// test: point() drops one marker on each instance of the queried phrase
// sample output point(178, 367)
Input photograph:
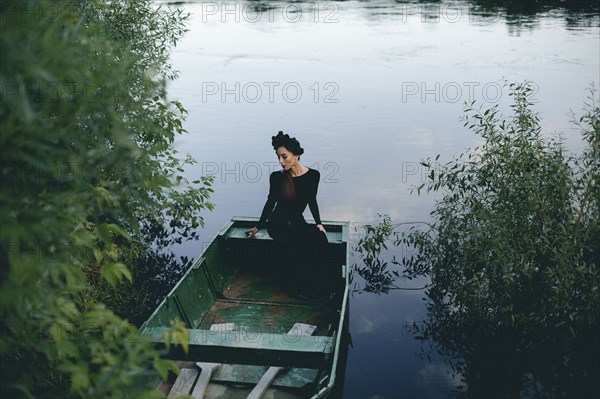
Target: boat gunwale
point(336, 352)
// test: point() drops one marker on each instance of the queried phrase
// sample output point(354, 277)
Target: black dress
point(286, 221)
point(303, 249)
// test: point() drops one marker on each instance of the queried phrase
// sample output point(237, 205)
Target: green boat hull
point(260, 288)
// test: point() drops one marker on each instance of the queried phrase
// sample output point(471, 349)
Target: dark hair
point(288, 142)
point(288, 189)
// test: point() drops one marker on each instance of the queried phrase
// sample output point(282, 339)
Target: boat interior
point(242, 302)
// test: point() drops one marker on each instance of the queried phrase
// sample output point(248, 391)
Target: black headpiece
point(288, 142)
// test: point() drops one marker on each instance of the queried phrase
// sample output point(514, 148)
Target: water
point(369, 89)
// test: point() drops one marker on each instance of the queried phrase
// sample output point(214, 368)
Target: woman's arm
point(312, 202)
point(274, 191)
point(314, 209)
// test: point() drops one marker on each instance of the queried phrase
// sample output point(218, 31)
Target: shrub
point(513, 255)
point(90, 183)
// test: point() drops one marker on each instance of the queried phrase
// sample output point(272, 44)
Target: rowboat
point(266, 318)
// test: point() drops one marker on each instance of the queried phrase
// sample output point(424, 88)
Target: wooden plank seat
point(258, 349)
point(262, 254)
point(334, 233)
point(267, 379)
point(250, 375)
point(185, 382)
point(190, 381)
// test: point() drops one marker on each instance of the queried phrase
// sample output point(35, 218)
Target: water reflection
point(380, 271)
point(515, 8)
point(526, 15)
point(154, 275)
point(481, 359)
point(517, 14)
point(378, 278)
point(524, 361)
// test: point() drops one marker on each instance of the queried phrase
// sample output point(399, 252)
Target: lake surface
point(369, 89)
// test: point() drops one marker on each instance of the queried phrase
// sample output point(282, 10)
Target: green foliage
point(378, 278)
point(515, 235)
point(178, 333)
point(513, 251)
point(91, 184)
point(375, 237)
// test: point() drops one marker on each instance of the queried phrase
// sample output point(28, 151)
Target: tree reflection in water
point(379, 273)
point(492, 360)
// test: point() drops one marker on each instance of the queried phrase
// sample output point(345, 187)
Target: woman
point(291, 189)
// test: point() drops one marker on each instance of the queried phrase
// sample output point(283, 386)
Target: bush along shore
point(92, 194)
point(513, 254)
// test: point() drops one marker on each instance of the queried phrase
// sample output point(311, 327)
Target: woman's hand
point(321, 228)
point(252, 232)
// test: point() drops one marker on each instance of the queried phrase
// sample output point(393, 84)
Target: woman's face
point(286, 158)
